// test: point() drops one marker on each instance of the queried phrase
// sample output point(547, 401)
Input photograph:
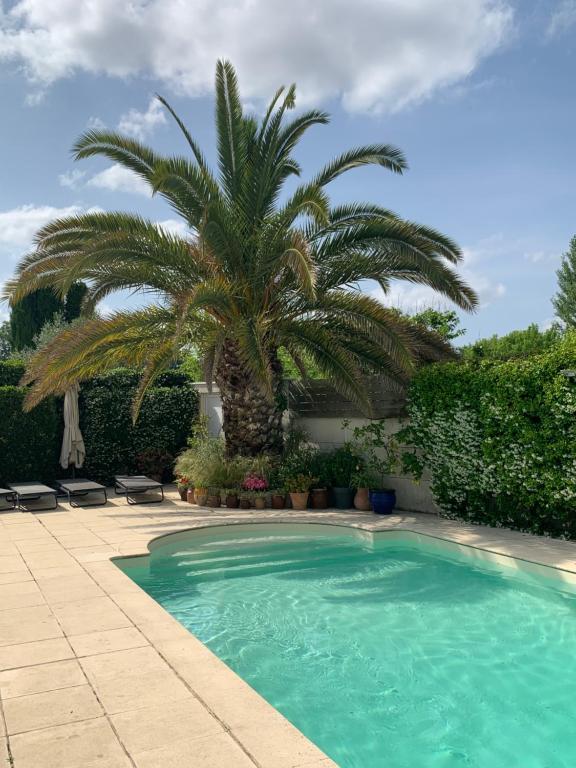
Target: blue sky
point(480, 95)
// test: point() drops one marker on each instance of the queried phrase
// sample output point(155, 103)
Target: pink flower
point(254, 482)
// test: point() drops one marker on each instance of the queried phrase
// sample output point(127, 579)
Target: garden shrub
point(11, 371)
point(114, 445)
point(29, 442)
point(499, 440)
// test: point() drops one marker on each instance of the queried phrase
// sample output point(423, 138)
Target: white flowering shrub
point(499, 440)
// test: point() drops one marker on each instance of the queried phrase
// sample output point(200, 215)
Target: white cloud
point(375, 55)
point(71, 179)
point(119, 179)
point(95, 124)
point(142, 124)
point(562, 19)
point(174, 227)
point(542, 257)
point(19, 225)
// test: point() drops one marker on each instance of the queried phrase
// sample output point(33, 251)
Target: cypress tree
point(565, 300)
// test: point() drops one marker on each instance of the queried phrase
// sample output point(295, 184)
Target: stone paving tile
point(93, 615)
point(70, 588)
point(88, 744)
point(16, 577)
point(11, 563)
point(20, 595)
point(105, 642)
point(132, 679)
point(42, 710)
point(29, 654)
point(42, 677)
point(160, 726)
point(4, 758)
point(219, 751)
point(24, 625)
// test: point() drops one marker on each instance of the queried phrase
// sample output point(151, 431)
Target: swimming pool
point(394, 650)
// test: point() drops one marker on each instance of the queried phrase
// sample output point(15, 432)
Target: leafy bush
point(29, 442)
point(530, 341)
point(114, 445)
point(499, 439)
point(11, 371)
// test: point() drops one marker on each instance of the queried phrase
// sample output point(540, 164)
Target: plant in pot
point(257, 485)
point(362, 480)
point(233, 472)
point(319, 467)
point(380, 453)
point(342, 463)
point(213, 499)
point(245, 499)
point(298, 486)
point(183, 484)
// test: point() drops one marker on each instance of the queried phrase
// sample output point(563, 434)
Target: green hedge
point(11, 371)
point(113, 443)
point(499, 439)
point(30, 443)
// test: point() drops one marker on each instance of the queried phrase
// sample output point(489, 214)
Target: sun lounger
point(7, 499)
point(80, 487)
point(32, 492)
point(130, 485)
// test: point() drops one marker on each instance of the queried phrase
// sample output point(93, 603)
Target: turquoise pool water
point(384, 654)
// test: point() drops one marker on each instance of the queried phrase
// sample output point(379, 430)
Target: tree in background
point(565, 300)
point(33, 311)
point(5, 340)
point(530, 341)
point(30, 314)
point(258, 271)
point(444, 322)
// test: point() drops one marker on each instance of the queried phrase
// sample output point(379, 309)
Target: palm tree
point(260, 270)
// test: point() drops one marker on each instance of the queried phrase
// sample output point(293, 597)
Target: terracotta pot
point(319, 498)
point(278, 501)
point(182, 490)
point(260, 502)
point(362, 500)
point(201, 495)
point(299, 500)
point(190, 496)
point(245, 504)
point(232, 501)
point(213, 500)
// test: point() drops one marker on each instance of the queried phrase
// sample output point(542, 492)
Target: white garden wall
point(328, 433)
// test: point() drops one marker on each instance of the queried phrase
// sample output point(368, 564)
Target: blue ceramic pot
point(383, 501)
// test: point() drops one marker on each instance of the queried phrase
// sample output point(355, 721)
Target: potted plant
point(362, 479)
point(278, 498)
point(260, 499)
point(183, 484)
point(298, 487)
point(256, 485)
point(380, 457)
point(245, 499)
point(342, 465)
point(213, 499)
point(319, 466)
point(231, 497)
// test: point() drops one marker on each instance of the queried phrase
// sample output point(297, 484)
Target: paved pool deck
point(94, 673)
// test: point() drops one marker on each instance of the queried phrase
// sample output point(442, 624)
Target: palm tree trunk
point(252, 417)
